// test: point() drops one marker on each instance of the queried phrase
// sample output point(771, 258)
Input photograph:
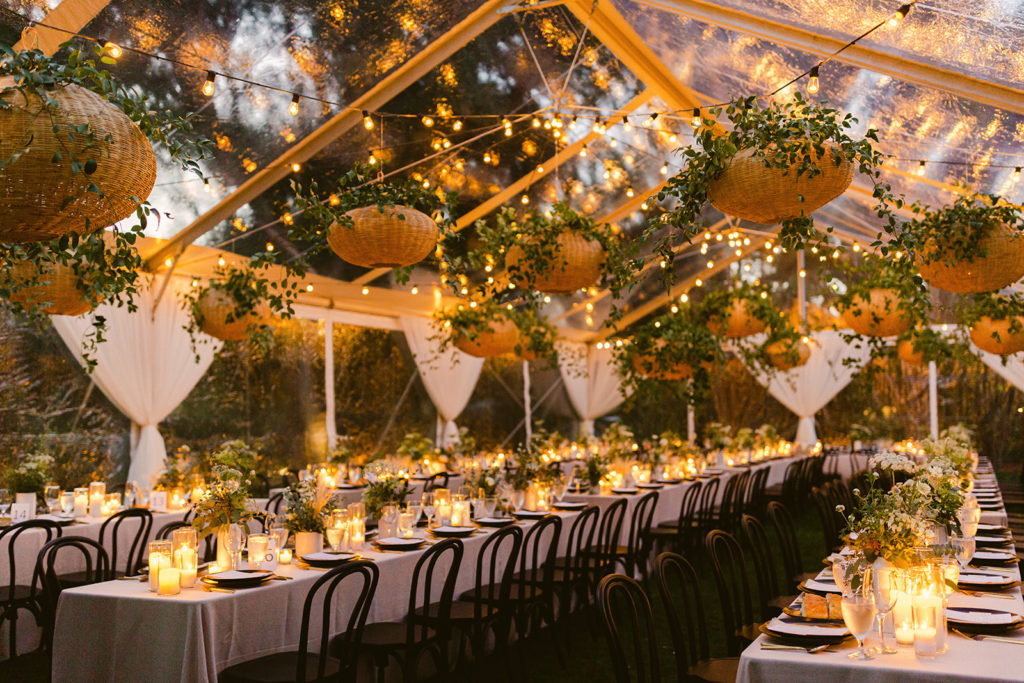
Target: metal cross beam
point(71, 15)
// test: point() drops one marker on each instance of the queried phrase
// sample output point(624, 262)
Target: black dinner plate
point(804, 589)
point(652, 485)
point(567, 505)
point(993, 561)
point(955, 619)
point(997, 543)
point(496, 521)
point(453, 531)
point(404, 544)
point(670, 481)
point(351, 487)
point(801, 640)
point(328, 559)
point(258, 577)
point(530, 514)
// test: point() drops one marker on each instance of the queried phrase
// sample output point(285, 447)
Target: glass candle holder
point(929, 625)
point(460, 512)
point(81, 501)
point(169, 581)
point(185, 554)
point(356, 533)
point(284, 556)
point(258, 545)
point(903, 611)
point(97, 497)
point(159, 559)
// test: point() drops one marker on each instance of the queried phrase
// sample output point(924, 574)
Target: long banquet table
point(119, 631)
point(966, 660)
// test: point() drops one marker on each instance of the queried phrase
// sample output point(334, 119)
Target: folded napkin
point(328, 557)
point(986, 579)
point(802, 628)
point(993, 555)
point(821, 586)
point(966, 615)
point(395, 540)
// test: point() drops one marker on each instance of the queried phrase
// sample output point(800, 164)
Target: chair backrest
point(422, 593)
point(495, 567)
point(680, 594)
point(629, 628)
point(132, 560)
point(579, 542)
point(273, 506)
point(791, 480)
point(728, 497)
point(351, 637)
point(537, 557)
point(706, 506)
point(97, 568)
point(688, 507)
point(436, 481)
point(609, 532)
point(826, 514)
point(739, 499)
point(12, 533)
point(164, 533)
point(732, 580)
point(789, 546)
point(762, 557)
point(640, 522)
point(756, 492)
point(815, 469)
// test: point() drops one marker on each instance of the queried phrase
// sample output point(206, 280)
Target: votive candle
point(170, 581)
point(284, 556)
point(158, 561)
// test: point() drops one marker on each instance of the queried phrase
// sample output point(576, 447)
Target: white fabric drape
point(146, 366)
point(1010, 368)
point(807, 389)
point(449, 375)
point(592, 380)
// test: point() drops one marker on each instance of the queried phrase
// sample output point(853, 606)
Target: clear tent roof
point(340, 49)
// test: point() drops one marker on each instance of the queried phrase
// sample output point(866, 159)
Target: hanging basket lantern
point(877, 316)
point(787, 354)
point(59, 291)
point(907, 354)
point(750, 190)
point(738, 321)
point(995, 336)
point(501, 338)
point(391, 237)
point(1002, 264)
point(216, 306)
point(576, 264)
point(650, 366)
point(34, 188)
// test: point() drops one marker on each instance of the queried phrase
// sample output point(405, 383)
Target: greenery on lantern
point(359, 187)
point(344, 454)
point(618, 440)
point(469, 321)
point(717, 304)
point(535, 236)
point(385, 486)
point(1009, 307)
point(674, 348)
point(954, 233)
point(530, 468)
point(794, 135)
point(933, 345)
point(30, 475)
point(308, 507)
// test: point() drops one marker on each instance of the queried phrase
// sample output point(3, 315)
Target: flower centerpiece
point(485, 479)
point(307, 509)
point(30, 475)
point(595, 469)
point(386, 485)
point(226, 500)
point(888, 524)
point(415, 447)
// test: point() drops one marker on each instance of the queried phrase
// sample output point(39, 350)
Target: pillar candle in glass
point(443, 513)
point(97, 496)
point(929, 625)
point(903, 611)
point(159, 559)
point(81, 502)
point(284, 556)
point(530, 501)
point(169, 582)
point(356, 532)
point(257, 545)
point(185, 554)
point(460, 512)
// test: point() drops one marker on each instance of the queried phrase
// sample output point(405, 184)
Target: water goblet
point(335, 534)
point(428, 507)
point(859, 615)
point(5, 501)
point(257, 544)
point(416, 510)
point(518, 499)
point(883, 590)
point(52, 496)
point(235, 541)
point(963, 547)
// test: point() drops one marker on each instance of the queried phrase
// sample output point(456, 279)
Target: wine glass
point(859, 615)
point(518, 499)
point(5, 501)
point(490, 505)
point(428, 506)
point(559, 486)
point(416, 510)
point(844, 569)
point(883, 589)
point(235, 541)
point(52, 496)
point(334, 536)
point(964, 547)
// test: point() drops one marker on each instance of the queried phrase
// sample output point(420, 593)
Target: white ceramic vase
point(308, 542)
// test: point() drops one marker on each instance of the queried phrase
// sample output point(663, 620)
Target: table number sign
point(158, 500)
point(22, 512)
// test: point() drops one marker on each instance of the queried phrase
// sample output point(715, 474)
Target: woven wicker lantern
point(1002, 264)
point(648, 366)
point(907, 354)
point(738, 321)
point(749, 190)
point(877, 316)
point(59, 291)
point(500, 339)
point(577, 263)
point(995, 336)
point(390, 238)
point(33, 189)
point(787, 354)
point(216, 305)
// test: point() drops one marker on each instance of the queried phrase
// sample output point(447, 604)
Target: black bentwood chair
point(678, 534)
point(14, 596)
point(304, 666)
point(629, 628)
point(635, 555)
point(407, 641)
point(732, 579)
point(97, 569)
point(789, 545)
point(681, 596)
point(130, 561)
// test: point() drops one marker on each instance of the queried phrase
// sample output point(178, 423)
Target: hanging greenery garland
point(370, 222)
point(881, 297)
point(487, 329)
point(777, 165)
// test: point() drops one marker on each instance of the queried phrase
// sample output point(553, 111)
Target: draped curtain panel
point(807, 389)
point(592, 380)
point(1010, 368)
point(449, 375)
point(146, 366)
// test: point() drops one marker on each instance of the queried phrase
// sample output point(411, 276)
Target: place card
point(158, 500)
point(22, 512)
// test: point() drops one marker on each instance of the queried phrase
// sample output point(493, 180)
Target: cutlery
point(979, 594)
point(980, 636)
point(810, 650)
point(310, 567)
point(214, 589)
point(140, 577)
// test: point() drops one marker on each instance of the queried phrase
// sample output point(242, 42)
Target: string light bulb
point(1016, 173)
point(525, 199)
point(535, 122)
point(920, 168)
point(572, 124)
point(630, 192)
point(649, 121)
point(664, 169)
point(220, 261)
point(696, 121)
point(372, 160)
point(457, 125)
point(427, 121)
point(208, 85)
point(812, 83)
point(367, 120)
point(206, 185)
point(293, 108)
point(112, 49)
point(626, 127)
point(296, 167)
point(899, 16)
point(309, 288)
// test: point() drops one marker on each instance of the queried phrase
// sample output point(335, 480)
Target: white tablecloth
point(966, 660)
point(118, 631)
